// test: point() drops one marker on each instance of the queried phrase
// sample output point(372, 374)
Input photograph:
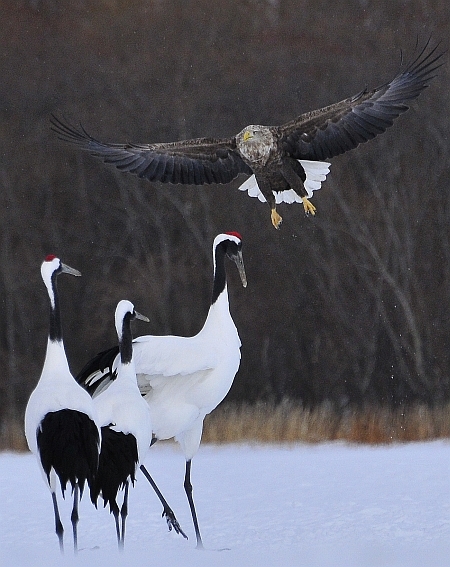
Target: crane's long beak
point(239, 261)
point(141, 317)
point(68, 270)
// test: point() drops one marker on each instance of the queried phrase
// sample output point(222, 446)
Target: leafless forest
point(349, 308)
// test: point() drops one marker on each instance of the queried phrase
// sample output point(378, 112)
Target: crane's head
point(53, 264)
point(52, 267)
point(232, 243)
point(125, 311)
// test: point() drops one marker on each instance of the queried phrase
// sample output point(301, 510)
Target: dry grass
point(289, 422)
point(12, 436)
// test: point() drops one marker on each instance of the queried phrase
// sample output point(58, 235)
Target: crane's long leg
point(188, 489)
point(115, 513)
point(172, 522)
point(58, 524)
point(124, 514)
point(74, 517)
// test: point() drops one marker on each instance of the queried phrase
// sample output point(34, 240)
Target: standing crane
point(124, 417)
point(60, 420)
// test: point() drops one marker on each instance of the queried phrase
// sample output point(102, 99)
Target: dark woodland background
point(350, 307)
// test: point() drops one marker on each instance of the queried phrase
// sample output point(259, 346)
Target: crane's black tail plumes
point(117, 465)
point(68, 442)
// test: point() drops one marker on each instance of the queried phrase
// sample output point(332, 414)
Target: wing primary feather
point(167, 175)
point(148, 169)
point(198, 161)
point(339, 127)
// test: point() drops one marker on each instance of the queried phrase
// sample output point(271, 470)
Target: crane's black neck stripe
point(126, 340)
point(220, 277)
point(55, 332)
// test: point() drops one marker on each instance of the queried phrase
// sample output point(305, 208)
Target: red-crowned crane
point(60, 419)
point(124, 418)
point(183, 378)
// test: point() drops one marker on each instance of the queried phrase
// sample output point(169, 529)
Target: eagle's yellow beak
point(247, 135)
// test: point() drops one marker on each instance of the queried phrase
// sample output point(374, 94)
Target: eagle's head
point(255, 144)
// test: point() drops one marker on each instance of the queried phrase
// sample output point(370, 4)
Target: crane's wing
point(99, 372)
point(170, 355)
point(155, 357)
point(189, 162)
point(342, 126)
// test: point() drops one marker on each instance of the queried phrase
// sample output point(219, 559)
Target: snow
point(333, 504)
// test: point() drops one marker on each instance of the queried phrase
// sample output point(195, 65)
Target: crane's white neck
point(55, 364)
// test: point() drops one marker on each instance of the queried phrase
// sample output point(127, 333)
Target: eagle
point(282, 163)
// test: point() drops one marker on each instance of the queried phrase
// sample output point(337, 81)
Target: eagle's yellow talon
point(275, 218)
point(310, 209)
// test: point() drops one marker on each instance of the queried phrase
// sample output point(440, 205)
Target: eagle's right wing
point(335, 129)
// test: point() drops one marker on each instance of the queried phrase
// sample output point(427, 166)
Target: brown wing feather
point(190, 162)
point(342, 126)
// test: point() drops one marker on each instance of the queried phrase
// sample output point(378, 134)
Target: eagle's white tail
point(316, 172)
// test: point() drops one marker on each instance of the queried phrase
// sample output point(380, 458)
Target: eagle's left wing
point(342, 126)
point(189, 162)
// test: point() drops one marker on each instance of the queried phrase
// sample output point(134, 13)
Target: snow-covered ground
point(323, 505)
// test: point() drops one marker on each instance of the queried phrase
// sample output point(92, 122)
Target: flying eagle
point(283, 163)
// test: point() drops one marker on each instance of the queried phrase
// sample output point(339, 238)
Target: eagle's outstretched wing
point(335, 129)
point(189, 162)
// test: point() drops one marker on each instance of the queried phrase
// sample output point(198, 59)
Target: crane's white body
point(56, 390)
point(123, 405)
point(185, 378)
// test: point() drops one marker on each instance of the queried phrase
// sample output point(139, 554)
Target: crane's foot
point(275, 218)
point(172, 522)
point(310, 209)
